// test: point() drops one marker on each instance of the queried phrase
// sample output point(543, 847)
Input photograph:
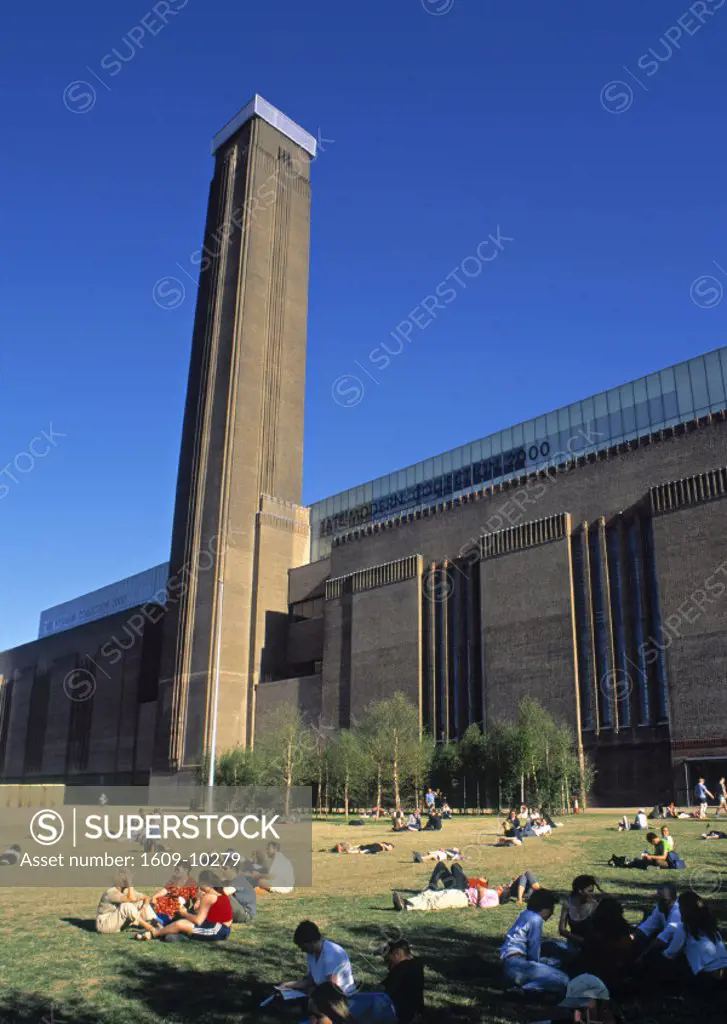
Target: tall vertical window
point(655, 625)
point(600, 627)
point(37, 721)
point(6, 697)
point(583, 653)
point(79, 729)
point(638, 619)
point(622, 690)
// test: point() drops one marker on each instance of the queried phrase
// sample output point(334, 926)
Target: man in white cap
point(587, 1001)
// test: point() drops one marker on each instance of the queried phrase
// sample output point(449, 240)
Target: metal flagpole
point(215, 698)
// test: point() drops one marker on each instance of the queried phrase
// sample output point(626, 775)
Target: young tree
point(348, 764)
point(392, 736)
point(446, 766)
point(284, 750)
point(474, 763)
point(237, 767)
point(503, 760)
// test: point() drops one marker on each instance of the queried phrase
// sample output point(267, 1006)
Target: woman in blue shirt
point(520, 952)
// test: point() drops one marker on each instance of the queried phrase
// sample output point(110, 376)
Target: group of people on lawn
point(204, 909)
point(526, 824)
point(599, 956)
point(436, 808)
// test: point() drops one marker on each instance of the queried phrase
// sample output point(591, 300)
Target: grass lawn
point(51, 957)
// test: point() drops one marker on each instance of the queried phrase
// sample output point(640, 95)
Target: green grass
point(50, 954)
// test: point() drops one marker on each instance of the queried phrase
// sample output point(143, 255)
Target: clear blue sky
point(444, 127)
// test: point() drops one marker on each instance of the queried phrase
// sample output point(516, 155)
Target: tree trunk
point(522, 787)
point(326, 801)
point(378, 791)
point(345, 795)
point(288, 778)
point(395, 765)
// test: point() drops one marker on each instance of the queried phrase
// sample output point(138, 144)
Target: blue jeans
point(532, 976)
point(370, 1008)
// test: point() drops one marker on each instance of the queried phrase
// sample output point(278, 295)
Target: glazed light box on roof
point(258, 107)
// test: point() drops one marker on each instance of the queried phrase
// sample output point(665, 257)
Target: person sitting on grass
point(327, 961)
point(699, 938)
point(671, 810)
point(511, 831)
point(279, 877)
point(639, 824)
point(122, 905)
point(365, 848)
point(328, 1005)
point(515, 831)
point(520, 952)
point(589, 1000)
point(241, 893)
point(210, 920)
point(446, 810)
point(656, 932)
point(577, 912)
point(181, 886)
point(608, 949)
point(414, 822)
point(398, 824)
point(667, 838)
point(539, 825)
point(434, 822)
point(658, 858)
point(404, 984)
point(545, 815)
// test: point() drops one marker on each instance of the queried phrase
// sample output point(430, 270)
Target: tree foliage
point(386, 759)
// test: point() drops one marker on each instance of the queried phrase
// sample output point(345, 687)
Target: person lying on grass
point(210, 920)
point(366, 848)
point(459, 891)
point(451, 854)
point(327, 961)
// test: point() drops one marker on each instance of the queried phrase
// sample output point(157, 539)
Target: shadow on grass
point(463, 976)
point(85, 924)
point(16, 1006)
point(216, 994)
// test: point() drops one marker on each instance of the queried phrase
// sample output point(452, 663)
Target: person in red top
point(211, 919)
point(179, 887)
